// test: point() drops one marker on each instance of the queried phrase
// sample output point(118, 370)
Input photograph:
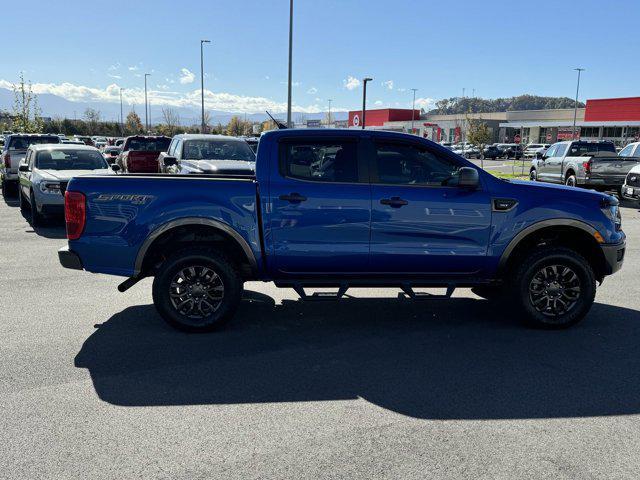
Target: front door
point(553, 164)
point(320, 207)
point(420, 222)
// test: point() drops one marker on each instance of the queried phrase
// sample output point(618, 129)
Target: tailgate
point(142, 162)
point(612, 167)
point(16, 156)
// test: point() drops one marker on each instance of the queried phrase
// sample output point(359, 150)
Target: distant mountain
point(55, 106)
point(454, 105)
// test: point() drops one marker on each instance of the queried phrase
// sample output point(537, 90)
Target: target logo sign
point(356, 120)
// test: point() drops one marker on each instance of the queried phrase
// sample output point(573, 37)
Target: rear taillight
point(7, 160)
point(587, 167)
point(74, 213)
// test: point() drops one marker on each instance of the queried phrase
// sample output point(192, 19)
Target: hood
point(223, 166)
point(66, 175)
point(552, 188)
point(635, 169)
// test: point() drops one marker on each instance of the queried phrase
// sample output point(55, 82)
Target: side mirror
point(23, 167)
point(539, 155)
point(170, 161)
point(115, 167)
point(468, 178)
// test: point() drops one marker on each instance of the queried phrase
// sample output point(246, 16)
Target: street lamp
point(364, 100)
point(413, 109)
point(329, 120)
point(121, 116)
point(146, 104)
point(290, 63)
point(575, 105)
point(202, 42)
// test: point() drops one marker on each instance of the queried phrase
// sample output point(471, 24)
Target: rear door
point(320, 207)
point(419, 224)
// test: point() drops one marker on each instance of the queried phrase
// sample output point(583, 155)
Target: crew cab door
point(420, 222)
point(553, 171)
point(320, 206)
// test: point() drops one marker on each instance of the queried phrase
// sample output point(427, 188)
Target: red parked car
point(140, 153)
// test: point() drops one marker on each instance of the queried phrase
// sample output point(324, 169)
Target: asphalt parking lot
point(94, 385)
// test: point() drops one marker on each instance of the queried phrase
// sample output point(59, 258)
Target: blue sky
point(87, 50)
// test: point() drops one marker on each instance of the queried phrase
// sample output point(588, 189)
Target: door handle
point(395, 202)
point(293, 198)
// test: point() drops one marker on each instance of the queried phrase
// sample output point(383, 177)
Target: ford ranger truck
point(140, 154)
point(346, 208)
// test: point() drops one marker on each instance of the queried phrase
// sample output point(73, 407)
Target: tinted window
point(149, 144)
point(70, 160)
point(402, 164)
point(581, 149)
point(22, 143)
point(217, 150)
point(561, 149)
point(321, 161)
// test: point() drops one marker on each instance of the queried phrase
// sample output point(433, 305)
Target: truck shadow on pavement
point(457, 359)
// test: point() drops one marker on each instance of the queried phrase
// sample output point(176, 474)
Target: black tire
point(24, 204)
point(534, 287)
point(533, 175)
point(169, 292)
point(36, 217)
point(570, 181)
point(7, 189)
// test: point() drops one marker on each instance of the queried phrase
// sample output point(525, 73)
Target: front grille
point(633, 179)
point(63, 187)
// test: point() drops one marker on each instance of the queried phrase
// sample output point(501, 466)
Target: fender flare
point(180, 222)
point(555, 222)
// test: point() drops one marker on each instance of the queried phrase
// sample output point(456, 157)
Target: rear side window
point(402, 164)
point(332, 161)
point(22, 143)
point(586, 149)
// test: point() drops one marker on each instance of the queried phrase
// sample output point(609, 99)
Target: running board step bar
point(409, 292)
point(319, 296)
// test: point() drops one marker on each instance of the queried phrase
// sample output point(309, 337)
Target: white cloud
point(312, 91)
point(114, 67)
point(426, 103)
point(402, 90)
point(163, 87)
point(227, 102)
point(117, 77)
point(351, 83)
point(186, 76)
point(133, 68)
point(388, 84)
point(378, 103)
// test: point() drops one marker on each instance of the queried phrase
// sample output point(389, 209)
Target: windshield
point(217, 150)
point(22, 143)
point(149, 144)
point(70, 160)
point(582, 149)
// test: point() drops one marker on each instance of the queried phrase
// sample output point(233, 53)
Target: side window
point(404, 164)
point(561, 149)
point(172, 147)
point(331, 161)
point(551, 152)
point(30, 159)
point(177, 149)
point(626, 151)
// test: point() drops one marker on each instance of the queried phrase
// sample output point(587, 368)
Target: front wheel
point(198, 289)
point(555, 286)
point(533, 175)
point(36, 217)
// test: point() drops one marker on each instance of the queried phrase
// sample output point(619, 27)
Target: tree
point(235, 127)
point(133, 125)
point(92, 116)
point(27, 116)
point(478, 134)
point(171, 120)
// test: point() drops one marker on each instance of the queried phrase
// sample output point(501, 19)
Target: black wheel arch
point(570, 233)
point(192, 231)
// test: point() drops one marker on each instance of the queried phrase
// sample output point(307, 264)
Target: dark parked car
point(492, 152)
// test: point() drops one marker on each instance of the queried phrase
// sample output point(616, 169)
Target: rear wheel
point(197, 290)
point(555, 287)
point(570, 181)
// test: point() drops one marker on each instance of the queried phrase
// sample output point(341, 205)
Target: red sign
point(567, 133)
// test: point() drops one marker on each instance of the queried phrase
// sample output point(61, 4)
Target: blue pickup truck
point(340, 209)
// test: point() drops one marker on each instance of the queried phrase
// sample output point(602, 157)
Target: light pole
point(202, 42)
point(146, 104)
point(364, 100)
point(575, 105)
point(413, 108)
point(121, 116)
point(290, 63)
point(329, 121)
